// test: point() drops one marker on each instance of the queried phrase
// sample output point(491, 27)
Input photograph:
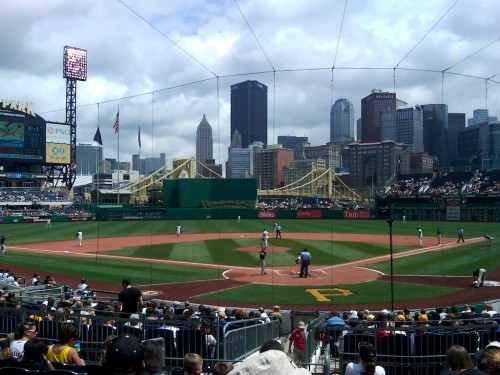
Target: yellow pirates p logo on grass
point(321, 294)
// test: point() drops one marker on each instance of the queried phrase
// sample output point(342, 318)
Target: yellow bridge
point(320, 183)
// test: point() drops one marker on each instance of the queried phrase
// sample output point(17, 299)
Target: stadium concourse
point(352, 272)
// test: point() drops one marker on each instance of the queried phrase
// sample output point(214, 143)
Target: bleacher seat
point(170, 349)
point(395, 350)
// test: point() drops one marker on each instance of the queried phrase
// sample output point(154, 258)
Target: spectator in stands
point(192, 364)
point(270, 362)
point(124, 355)
point(489, 360)
point(64, 350)
point(222, 368)
point(271, 345)
point(153, 357)
point(81, 286)
point(129, 299)
point(34, 358)
point(49, 280)
point(23, 333)
point(458, 359)
point(488, 309)
point(367, 362)
point(381, 328)
point(296, 339)
point(35, 280)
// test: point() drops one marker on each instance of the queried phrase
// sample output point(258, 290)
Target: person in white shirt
point(79, 238)
point(178, 230)
point(82, 285)
point(366, 365)
point(265, 237)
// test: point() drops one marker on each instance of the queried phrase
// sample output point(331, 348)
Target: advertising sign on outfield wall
point(356, 214)
point(267, 214)
point(308, 214)
point(453, 213)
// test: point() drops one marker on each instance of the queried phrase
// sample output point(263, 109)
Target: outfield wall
point(482, 208)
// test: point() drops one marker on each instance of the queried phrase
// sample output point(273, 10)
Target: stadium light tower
point(75, 69)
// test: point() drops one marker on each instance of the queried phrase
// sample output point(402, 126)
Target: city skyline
point(165, 65)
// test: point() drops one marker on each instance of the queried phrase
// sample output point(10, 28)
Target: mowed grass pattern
point(225, 251)
point(457, 261)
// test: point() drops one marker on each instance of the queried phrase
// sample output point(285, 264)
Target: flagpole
point(98, 154)
point(140, 179)
point(118, 119)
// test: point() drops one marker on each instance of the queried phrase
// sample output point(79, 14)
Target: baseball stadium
point(368, 265)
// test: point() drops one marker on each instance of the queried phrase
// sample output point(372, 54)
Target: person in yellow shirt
point(64, 350)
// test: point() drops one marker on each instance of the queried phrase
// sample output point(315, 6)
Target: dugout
point(210, 193)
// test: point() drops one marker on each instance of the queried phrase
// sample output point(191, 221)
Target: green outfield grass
point(223, 251)
point(22, 233)
point(362, 293)
point(458, 261)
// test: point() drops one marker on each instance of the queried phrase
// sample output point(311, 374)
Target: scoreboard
point(21, 141)
point(26, 138)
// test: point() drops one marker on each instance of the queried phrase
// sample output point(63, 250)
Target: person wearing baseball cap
point(124, 355)
point(489, 359)
point(296, 339)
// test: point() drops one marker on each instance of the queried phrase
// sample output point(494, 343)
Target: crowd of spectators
point(453, 183)
point(293, 203)
point(32, 196)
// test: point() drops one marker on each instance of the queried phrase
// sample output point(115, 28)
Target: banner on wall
point(267, 214)
point(308, 214)
point(356, 214)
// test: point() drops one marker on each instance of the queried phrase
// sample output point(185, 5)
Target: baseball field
point(217, 261)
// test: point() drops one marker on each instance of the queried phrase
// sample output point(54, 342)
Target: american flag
point(116, 125)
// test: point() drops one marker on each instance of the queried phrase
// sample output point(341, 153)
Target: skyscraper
point(204, 142)
point(89, 156)
point(436, 133)
point(249, 112)
point(378, 110)
point(410, 128)
point(342, 120)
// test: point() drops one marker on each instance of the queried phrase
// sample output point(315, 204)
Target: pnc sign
point(18, 105)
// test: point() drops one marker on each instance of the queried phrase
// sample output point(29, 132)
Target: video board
point(24, 141)
point(57, 143)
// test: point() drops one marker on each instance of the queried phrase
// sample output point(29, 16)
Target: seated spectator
point(124, 355)
point(64, 350)
point(271, 345)
point(270, 362)
point(192, 364)
point(222, 368)
point(49, 280)
point(489, 360)
point(82, 285)
point(457, 360)
point(367, 362)
point(34, 356)
point(23, 333)
point(153, 357)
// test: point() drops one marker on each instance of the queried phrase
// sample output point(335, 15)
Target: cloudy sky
point(166, 63)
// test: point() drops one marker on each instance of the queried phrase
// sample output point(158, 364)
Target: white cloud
point(129, 59)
